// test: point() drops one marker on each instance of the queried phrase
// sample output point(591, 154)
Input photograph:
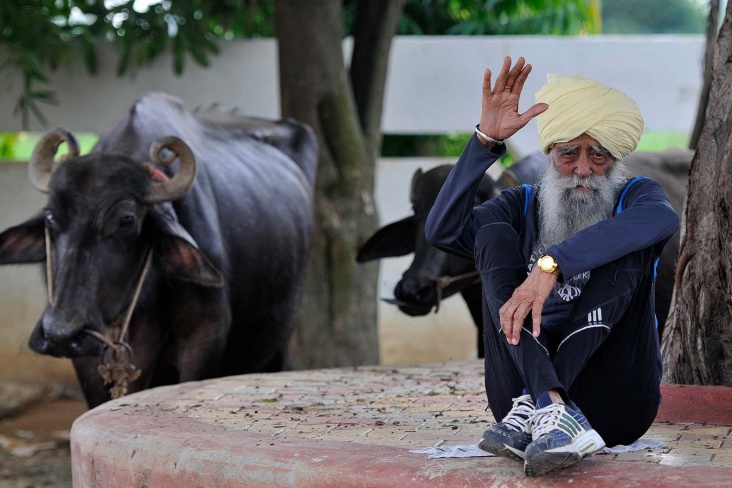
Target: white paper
point(475, 451)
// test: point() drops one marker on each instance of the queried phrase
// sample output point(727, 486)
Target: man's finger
point(536, 320)
point(487, 81)
point(535, 110)
point(516, 330)
point(518, 319)
point(514, 74)
point(518, 85)
point(503, 75)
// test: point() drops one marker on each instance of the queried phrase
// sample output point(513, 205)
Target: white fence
point(434, 86)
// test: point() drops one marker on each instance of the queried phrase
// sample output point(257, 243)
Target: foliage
point(654, 17)
point(44, 34)
point(32, 41)
point(8, 145)
point(18, 146)
point(450, 145)
point(500, 17)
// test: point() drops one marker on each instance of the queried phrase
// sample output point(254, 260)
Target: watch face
point(546, 263)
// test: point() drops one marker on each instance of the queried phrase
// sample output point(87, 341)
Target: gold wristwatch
point(547, 264)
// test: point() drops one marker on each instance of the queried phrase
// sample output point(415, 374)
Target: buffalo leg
point(473, 296)
point(92, 385)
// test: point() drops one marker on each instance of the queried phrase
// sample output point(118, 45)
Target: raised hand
point(500, 118)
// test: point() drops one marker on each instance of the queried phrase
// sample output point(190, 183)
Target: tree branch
point(375, 26)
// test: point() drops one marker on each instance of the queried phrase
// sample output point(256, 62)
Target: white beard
point(564, 211)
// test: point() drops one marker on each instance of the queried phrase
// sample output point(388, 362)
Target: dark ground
point(34, 435)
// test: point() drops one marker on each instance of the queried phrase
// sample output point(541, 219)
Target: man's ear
point(175, 251)
point(24, 243)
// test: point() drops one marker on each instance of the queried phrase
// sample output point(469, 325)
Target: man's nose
point(584, 167)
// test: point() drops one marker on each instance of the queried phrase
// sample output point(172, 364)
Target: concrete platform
point(355, 428)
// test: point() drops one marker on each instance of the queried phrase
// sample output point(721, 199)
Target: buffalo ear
point(181, 260)
point(176, 253)
point(24, 243)
point(395, 239)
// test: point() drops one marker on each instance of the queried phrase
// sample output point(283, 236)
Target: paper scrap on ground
point(475, 451)
point(638, 445)
point(452, 452)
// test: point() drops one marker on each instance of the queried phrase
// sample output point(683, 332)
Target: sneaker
point(561, 437)
point(510, 437)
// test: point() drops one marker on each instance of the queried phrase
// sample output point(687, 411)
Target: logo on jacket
point(595, 316)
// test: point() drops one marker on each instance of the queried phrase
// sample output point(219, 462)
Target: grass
point(18, 146)
point(660, 141)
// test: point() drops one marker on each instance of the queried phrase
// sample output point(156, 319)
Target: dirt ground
point(35, 418)
point(34, 444)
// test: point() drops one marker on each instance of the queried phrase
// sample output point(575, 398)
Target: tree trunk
point(338, 325)
point(374, 28)
point(711, 42)
point(697, 345)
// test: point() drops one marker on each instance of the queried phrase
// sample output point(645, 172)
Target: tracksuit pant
point(606, 359)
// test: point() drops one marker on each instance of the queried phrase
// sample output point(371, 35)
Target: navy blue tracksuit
point(605, 355)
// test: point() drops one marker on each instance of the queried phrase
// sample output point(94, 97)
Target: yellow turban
point(580, 105)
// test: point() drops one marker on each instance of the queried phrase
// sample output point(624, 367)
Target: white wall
point(22, 294)
point(434, 86)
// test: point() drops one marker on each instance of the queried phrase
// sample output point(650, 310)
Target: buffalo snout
point(58, 337)
point(415, 299)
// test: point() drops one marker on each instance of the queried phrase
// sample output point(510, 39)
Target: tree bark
point(711, 38)
point(338, 325)
point(374, 28)
point(697, 345)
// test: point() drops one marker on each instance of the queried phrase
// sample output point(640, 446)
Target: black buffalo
point(435, 275)
point(226, 223)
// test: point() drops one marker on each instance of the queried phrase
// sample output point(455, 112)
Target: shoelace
point(546, 419)
point(520, 414)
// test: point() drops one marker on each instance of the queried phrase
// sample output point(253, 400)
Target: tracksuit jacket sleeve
point(454, 219)
point(647, 220)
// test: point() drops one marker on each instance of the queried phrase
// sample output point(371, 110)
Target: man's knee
point(621, 422)
point(613, 289)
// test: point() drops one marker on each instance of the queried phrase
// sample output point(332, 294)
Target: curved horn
point(508, 179)
point(413, 187)
point(41, 161)
point(177, 186)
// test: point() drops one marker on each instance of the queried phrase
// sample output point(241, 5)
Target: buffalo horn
point(415, 181)
point(41, 162)
point(179, 184)
point(509, 178)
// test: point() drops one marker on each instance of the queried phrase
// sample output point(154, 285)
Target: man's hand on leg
point(529, 297)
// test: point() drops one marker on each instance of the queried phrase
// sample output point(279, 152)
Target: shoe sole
point(543, 463)
point(502, 450)
point(539, 463)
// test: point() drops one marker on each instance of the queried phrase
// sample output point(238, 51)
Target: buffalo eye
point(127, 221)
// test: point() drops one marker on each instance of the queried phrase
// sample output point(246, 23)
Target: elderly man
point(572, 359)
